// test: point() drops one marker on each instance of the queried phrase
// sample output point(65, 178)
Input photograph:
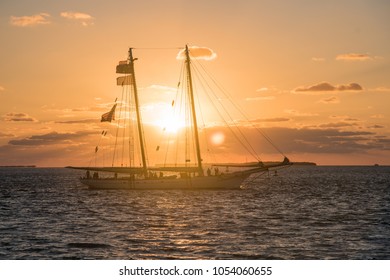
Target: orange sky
point(313, 74)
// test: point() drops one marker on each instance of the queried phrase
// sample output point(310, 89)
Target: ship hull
point(194, 183)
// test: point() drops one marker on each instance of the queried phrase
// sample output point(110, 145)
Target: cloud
point(198, 53)
point(164, 89)
point(49, 139)
point(84, 19)
point(2, 88)
point(260, 98)
point(337, 125)
point(18, 117)
point(354, 57)
point(327, 87)
point(262, 89)
point(280, 119)
point(376, 126)
point(300, 114)
point(381, 89)
point(377, 116)
point(23, 21)
point(330, 100)
point(333, 138)
point(85, 121)
point(5, 135)
point(318, 59)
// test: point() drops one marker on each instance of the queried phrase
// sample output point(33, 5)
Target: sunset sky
point(314, 75)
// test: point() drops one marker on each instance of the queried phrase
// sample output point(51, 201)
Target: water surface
point(303, 213)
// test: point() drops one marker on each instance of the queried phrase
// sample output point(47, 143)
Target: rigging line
point(130, 135)
point(192, 128)
point(209, 151)
point(132, 107)
point(177, 110)
point(182, 111)
point(239, 109)
point(117, 128)
point(181, 74)
point(247, 146)
point(124, 129)
point(253, 153)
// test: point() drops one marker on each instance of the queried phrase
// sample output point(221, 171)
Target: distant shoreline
point(305, 163)
point(18, 166)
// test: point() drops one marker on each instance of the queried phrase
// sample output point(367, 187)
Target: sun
point(171, 124)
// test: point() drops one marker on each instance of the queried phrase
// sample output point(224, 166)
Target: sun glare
point(218, 138)
point(170, 124)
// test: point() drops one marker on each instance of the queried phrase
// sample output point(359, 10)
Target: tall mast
point(194, 121)
point(139, 123)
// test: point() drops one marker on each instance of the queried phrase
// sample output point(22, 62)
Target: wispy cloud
point(337, 125)
point(377, 116)
point(260, 98)
point(278, 119)
point(354, 57)
point(327, 87)
point(330, 100)
point(83, 121)
point(23, 21)
point(164, 89)
point(300, 114)
point(83, 18)
point(262, 89)
point(18, 117)
point(318, 59)
point(2, 134)
point(49, 138)
point(381, 89)
point(376, 126)
point(198, 53)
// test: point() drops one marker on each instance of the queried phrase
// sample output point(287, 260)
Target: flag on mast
point(123, 68)
point(124, 80)
point(109, 116)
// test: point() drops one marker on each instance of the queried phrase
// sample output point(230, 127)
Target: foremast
point(137, 110)
point(193, 112)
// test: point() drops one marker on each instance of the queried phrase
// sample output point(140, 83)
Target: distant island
point(293, 163)
point(305, 163)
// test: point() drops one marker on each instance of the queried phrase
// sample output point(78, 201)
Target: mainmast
point(139, 123)
point(194, 121)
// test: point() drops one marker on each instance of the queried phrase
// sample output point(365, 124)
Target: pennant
point(124, 80)
point(109, 116)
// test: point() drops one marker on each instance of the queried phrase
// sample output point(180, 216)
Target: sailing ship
point(190, 174)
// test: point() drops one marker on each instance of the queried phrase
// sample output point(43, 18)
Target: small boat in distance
point(183, 176)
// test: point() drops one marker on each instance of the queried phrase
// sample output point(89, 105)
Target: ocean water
point(305, 212)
